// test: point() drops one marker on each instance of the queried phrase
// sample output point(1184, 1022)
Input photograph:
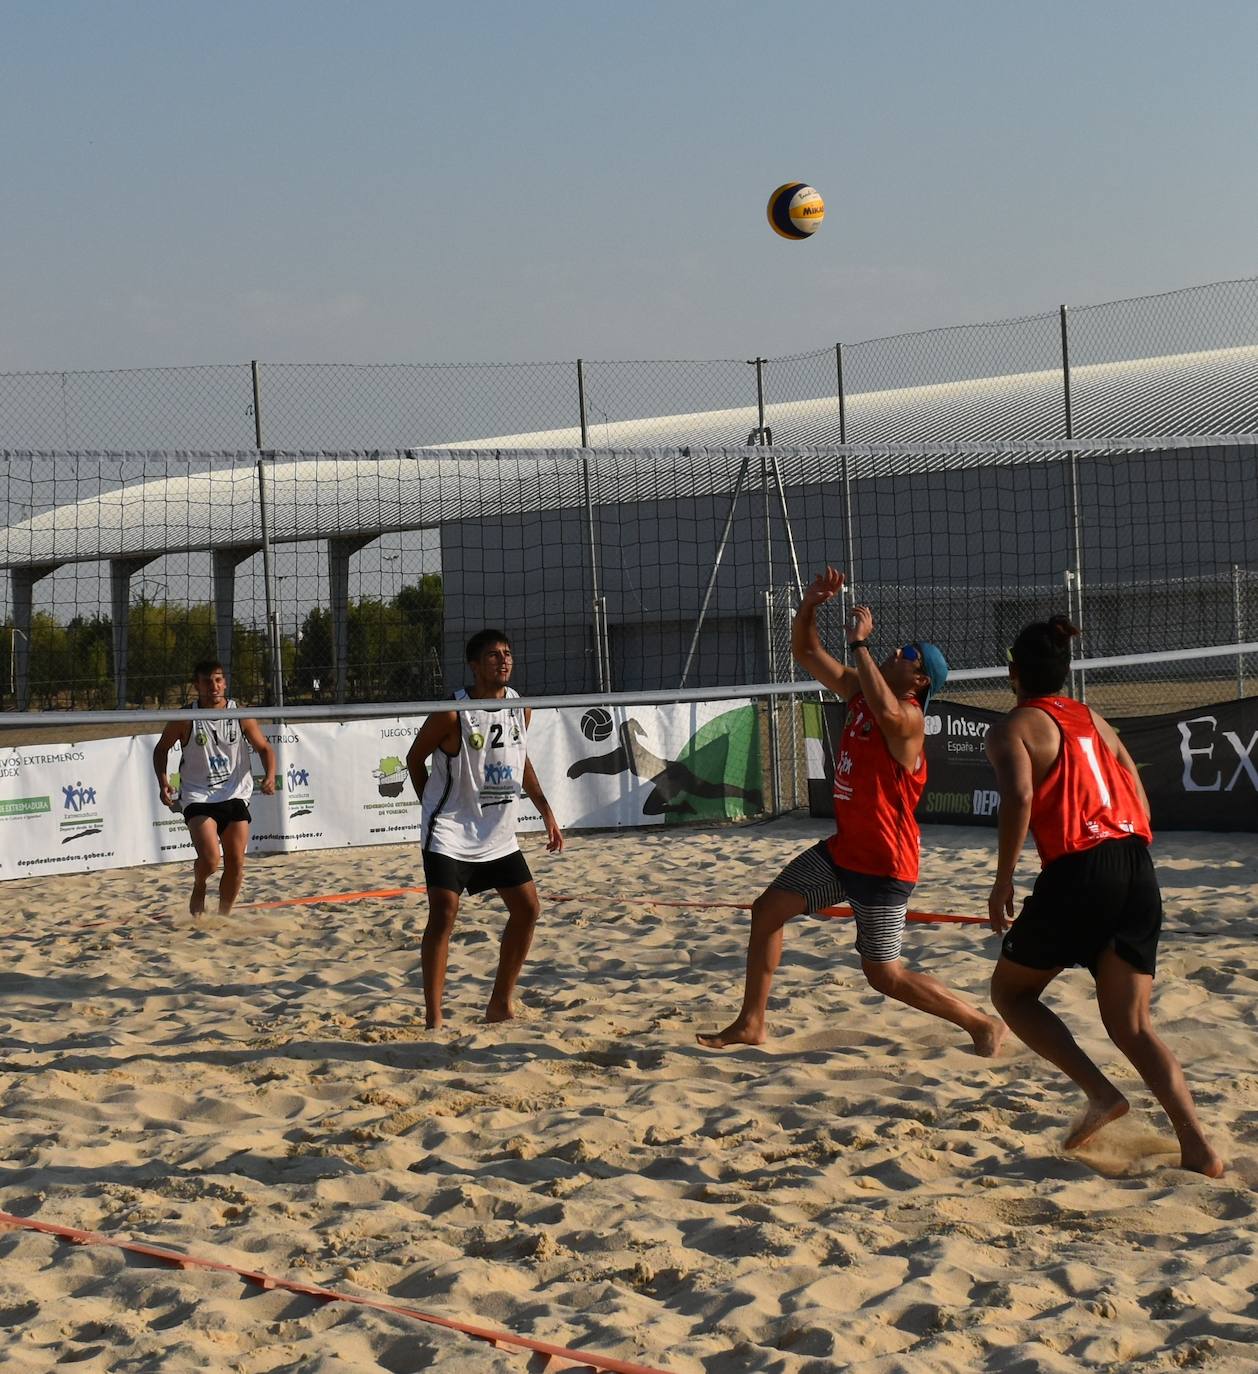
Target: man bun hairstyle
point(482, 640)
point(1041, 654)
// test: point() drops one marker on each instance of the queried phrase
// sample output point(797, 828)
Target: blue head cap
point(935, 666)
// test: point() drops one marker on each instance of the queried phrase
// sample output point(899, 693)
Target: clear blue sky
point(422, 182)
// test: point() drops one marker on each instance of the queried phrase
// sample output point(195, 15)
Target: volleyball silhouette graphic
point(796, 210)
point(596, 724)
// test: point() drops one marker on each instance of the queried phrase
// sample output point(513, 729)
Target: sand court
point(860, 1192)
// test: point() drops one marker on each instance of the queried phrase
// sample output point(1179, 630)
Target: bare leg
point(523, 909)
point(1123, 993)
point(235, 843)
point(443, 907)
point(204, 833)
point(1016, 993)
point(769, 913)
point(928, 994)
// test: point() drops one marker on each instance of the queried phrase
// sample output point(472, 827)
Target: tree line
point(394, 653)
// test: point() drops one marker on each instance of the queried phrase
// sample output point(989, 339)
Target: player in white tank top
point(479, 768)
point(216, 783)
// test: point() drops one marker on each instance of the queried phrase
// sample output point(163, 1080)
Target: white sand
point(862, 1192)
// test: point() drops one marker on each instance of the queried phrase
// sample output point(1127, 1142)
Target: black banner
point(1199, 767)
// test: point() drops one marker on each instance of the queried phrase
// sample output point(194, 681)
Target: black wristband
point(858, 644)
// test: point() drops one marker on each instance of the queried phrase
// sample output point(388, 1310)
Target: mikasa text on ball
point(796, 210)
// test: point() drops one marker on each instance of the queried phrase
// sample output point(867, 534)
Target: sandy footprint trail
point(860, 1192)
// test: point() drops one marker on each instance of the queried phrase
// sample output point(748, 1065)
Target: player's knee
point(766, 911)
point(440, 922)
point(886, 978)
point(210, 862)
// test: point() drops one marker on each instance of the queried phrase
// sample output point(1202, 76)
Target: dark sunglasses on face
point(911, 653)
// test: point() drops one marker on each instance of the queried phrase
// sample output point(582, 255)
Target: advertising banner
point(1199, 767)
point(83, 807)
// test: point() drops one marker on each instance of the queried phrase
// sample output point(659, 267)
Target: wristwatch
point(858, 644)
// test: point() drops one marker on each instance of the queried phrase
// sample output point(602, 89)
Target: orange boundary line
point(834, 912)
point(564, 1356)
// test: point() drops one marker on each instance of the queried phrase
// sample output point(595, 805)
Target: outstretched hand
point(824, 587)
point(860, 624)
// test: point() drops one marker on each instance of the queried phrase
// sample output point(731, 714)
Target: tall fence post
point(1238, 624)
point(1065, 374)
point(1074, 577)
point(275, 644)
point(838, 367)
point(598, 608)
point(849, 583)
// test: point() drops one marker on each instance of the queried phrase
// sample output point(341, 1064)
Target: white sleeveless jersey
point(469, 801)
point(215, 762)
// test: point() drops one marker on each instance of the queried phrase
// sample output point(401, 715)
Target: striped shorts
point(880, 904)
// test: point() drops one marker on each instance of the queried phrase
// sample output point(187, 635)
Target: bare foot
point(196, 903)
point(1201, 1159)
point(433, 1022)
point(499, 1011)
point(989, 1041)
point(1095, 1115)
point(739, 1033)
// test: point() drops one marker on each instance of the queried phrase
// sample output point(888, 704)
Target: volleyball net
point(353, 578)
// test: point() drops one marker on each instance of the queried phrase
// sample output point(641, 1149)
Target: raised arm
point(1011, 759)
point(258, 743)
point(806, 647)
point(902, 724)
point(439, 731)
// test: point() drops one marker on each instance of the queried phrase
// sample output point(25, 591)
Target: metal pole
point(786, 520)
point(268, 577)
point(849, 586)
point(1238, 622)
point(838, 364)
point(1076, 525)
point(585, 432)
point(1065, 374)
point(257, 407)
point(775, 750)
point(594, 587)
point(716, 563)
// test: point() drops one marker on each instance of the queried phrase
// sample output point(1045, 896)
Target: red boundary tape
point(835, 912)
point(558, 1356)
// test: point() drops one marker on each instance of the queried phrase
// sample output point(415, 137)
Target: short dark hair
point(1041, 654)
point(482, 640)
point(205, 667)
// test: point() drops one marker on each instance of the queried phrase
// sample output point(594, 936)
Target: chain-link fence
point(1179, 363)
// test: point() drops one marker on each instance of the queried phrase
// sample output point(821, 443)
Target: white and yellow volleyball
point(796, 210)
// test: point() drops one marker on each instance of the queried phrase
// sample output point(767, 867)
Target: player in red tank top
point(871, 860)
point(1064, 775)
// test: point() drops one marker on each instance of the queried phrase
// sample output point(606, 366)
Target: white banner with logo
point(81, 807)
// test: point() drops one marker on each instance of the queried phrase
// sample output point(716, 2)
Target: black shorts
point(1083, 904)
point(222, 814)
point(472, 876)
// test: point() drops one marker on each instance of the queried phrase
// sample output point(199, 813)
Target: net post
point(268, 578)
point(1238, 625)
point(716, 564)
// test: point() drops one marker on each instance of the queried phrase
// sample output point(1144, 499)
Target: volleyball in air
point(796, 210)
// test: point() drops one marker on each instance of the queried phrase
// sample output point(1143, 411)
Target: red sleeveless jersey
point(874, 800)
point(1087, 796)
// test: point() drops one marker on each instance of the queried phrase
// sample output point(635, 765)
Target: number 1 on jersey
point(1088, 744)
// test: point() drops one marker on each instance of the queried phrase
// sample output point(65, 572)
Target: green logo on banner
point(25, 806)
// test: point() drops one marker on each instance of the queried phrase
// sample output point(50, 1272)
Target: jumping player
point(872, 858)
point(215, 784)
point(1064, 774)
point(480, 766)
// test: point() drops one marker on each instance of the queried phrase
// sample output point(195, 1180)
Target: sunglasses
point(911, 653)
